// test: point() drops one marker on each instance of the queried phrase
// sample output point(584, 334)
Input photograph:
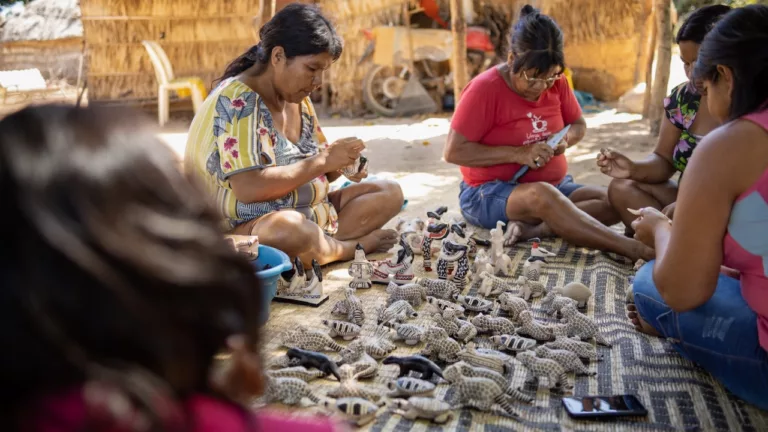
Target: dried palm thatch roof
point(42, 20)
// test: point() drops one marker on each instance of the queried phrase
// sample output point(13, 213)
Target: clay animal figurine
point(440, 345)
point(559, 303)
point(547, 368)
point(492, 285)
point(412, 293)
point(405, 387)
point(426, 408)
point(349, 387)
point(398, 311)
point(314, 280)
point(408, 333)
point(309, 339)
point(436, 233)
point(481, 359)
point(578, 324)
point(475, 304)
point(529, 288)
point(579, 292)
point(291, 282)
point(342, 329)
point(494, 325)
point(351, 307)
point(582, 349)
point(512, 304)
point(446, 321)
point(478, 372)
point(538, 251)
point(441, 305)
point(513, 343)
point(533, 328)
point(481, 259)
point(438, 288)
point(397, 268)
point(413, 231)
point(309, 359)
point(503, 265)
point(478, 393)
point(299, 372)
point(356, 410)
point(379, 344)
point(532, 267)
point(365, 365)
point(415, 363)
point(454, 253)
point(289, 391)
point(497, 241)
point(567, 359)
point(467, 331)
point(360, 269)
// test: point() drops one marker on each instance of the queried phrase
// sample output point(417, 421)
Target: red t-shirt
point(490, 113)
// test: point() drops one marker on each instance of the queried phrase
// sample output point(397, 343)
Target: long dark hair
point(300, 29)
point(740, 42)
point(700, 22)
point(111, 265)
point(536, 42)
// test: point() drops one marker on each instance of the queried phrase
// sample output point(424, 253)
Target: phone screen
point(604, 406)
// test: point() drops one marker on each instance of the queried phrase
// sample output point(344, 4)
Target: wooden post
point(661, 78)
point(263, 15)
point(651, 49)
point(459, 54)
point(273, 9)
point(409, 36)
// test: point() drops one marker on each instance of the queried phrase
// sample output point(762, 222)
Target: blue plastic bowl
point(270, 263)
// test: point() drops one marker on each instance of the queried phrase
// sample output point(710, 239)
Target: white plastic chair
point(166, 82)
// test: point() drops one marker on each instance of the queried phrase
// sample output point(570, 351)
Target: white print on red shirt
point(539, 129)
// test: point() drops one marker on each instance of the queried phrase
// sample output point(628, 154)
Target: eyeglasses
point(546, 82)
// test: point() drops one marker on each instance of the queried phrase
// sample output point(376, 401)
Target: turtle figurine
point(474, 304)
point(356, 410)
point(425, 408)
point(513, 343)
point(342, 329)
point(405, 387)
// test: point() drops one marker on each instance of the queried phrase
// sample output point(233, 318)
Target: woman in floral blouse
point(648, 183)
point(257, 145)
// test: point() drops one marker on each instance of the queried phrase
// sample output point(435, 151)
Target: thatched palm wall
point(200, 37)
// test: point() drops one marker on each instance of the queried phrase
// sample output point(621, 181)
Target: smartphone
point(585, 407)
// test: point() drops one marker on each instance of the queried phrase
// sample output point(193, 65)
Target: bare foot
point(380, 240)
point(639, 323)
point(519, 230)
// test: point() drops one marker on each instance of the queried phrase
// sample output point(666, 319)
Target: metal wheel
point(382, 88)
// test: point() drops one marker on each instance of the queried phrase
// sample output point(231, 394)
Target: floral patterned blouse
point(233, 132)
point(681, 107)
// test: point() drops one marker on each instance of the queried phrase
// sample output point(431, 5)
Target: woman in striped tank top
point(717, 316)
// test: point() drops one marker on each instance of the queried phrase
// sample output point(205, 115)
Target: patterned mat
point(677, 394)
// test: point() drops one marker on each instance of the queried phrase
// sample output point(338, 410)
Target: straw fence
point(200, 38)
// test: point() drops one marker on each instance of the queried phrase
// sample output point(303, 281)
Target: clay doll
point(397, 268)
point(360, 270)
point(454, 252)
point(413, 230)
point(436, 233)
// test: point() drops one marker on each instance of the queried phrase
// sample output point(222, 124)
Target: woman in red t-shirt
point(500, 125)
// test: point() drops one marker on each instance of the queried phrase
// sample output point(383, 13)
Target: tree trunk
point(651, 50)
point(459, 55)
point(664, 57)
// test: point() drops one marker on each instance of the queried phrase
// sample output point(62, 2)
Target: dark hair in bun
point(536, 42)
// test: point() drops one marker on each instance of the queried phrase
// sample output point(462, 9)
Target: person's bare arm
point(460, 151)
point(259, 185)
point(333, 176)
point(689, 253)
point(657, 167)
point(576, 132)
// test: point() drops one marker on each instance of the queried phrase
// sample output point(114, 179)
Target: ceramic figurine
point(533, 328)
point(440, 345)
point(398, 311)
point(513, 343)
point(356, 410)
point(349, 387)
point(343, 329)
point(300, 286)
point(512, 304)
point(471, 240)
point(412, 293)
point(497, 240)
point(538, 251)
point(415, 363)
point(481, 259)
point(247, 246)
point(441, 305)
point(479, 393)
point(309, 359)
point(431, 409)
point(360, 270)
point(471, 355)
point(354, 354)
point(351, 307)
point(289, 391)
point(454, 253)
point(532, 267)
point(639, 263)
point(379, 344)
point(446, 321)
point(579, 292)
point(530, 288)
point(439, 288)
point(356, 167)
point(413, 231)
point(397, 268)
point(578, 324)
point(546, 368)
point(567, 359)
point(309, 339)
point(495, 325)
point(299, 372)
point(408, 333)
point(492, 285)
point(558, 303)
point(478, 372)
point(467, 331)
point(582, 349)
point(436, 233)
point(475, 304)
point(503, 265)
point(407, 387)
point(291, 282)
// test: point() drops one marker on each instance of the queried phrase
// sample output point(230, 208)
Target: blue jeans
point(720, 335)
point(485, 204)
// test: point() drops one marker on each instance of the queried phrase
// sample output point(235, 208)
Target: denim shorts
point(485, 204)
